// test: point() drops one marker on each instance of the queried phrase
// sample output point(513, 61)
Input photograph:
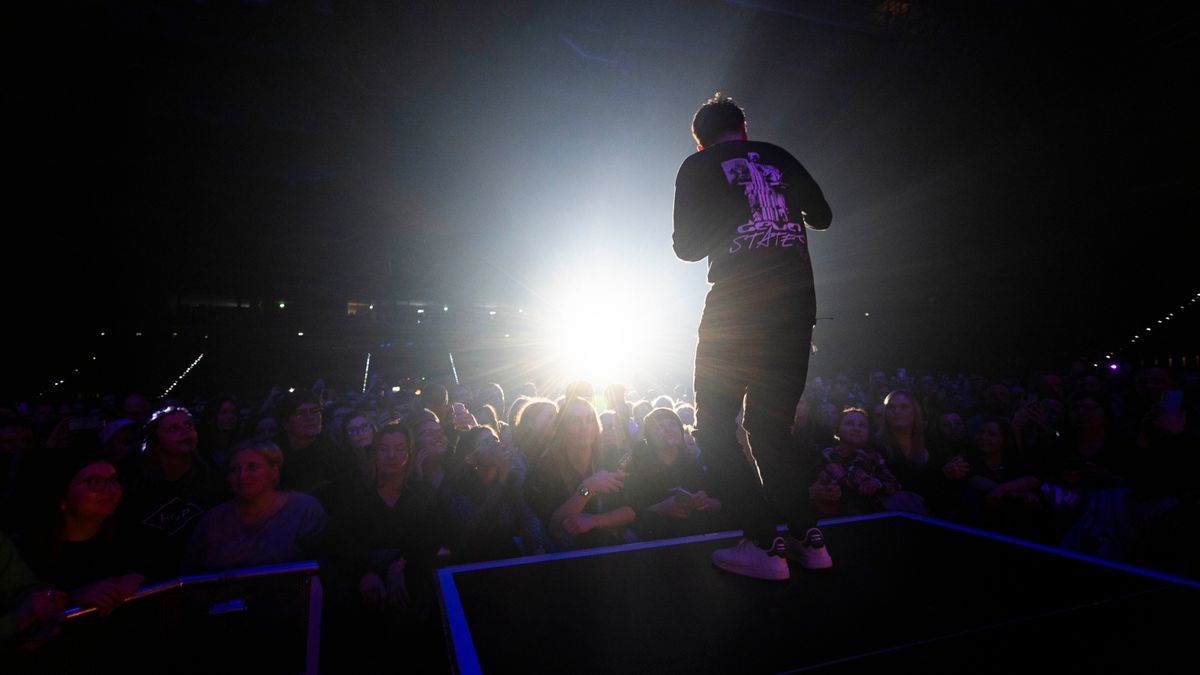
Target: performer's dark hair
point(718, 116)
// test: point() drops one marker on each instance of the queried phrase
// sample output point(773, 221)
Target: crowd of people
point(103, 496)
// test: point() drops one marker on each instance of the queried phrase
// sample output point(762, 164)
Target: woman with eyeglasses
point(314, 463)
point(358, 434)
point(75, 547)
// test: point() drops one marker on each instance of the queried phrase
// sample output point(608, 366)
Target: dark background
point(1012, 183)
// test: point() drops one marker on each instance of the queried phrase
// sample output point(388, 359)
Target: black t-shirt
point(156, 516)
point(744, 205)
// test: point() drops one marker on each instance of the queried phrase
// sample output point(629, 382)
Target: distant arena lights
point(1168, 317)
point(183, 375)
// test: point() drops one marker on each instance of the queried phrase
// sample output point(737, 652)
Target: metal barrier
point(229, 580)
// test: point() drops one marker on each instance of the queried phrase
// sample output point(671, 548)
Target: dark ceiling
point(999, 171)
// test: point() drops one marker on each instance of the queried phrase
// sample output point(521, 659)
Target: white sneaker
point(810, 552)
point(749, 560)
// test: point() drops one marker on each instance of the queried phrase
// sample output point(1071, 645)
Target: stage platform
point(905, 592)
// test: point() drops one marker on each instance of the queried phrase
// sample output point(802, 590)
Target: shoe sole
point(746, 572)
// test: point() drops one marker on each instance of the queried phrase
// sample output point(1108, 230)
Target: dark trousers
point(756, 346)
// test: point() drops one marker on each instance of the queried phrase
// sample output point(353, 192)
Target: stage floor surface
point(905, 592)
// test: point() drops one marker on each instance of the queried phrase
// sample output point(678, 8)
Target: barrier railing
point(226, 587)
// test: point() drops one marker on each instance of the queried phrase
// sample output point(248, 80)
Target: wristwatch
point(584, 491)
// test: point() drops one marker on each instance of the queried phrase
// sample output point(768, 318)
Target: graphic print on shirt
point(770, 223)
point(173, 515)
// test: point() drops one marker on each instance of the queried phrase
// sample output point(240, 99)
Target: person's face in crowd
point(687, 415)
point(900, 412)
point(1087, 414)
point(305, 421)
point(94, 492)
point(579, 425)
point(227, 417)
point(927, 386)
point(430, 436)
point(488, 456)
point(122, 442)
point(854, 430)
point(266, 427)
point(335, 418)
point(608, 427)
point(251, 475)
point(664, 432)
point(990, 438)
point(392, 454)
point(176, 434)
point(15, 439)
point(640, 411)
point(360, 432)
point(951, 427)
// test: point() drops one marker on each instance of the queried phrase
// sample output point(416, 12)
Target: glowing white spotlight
point(592, 341)
point(282, 304)
point(300, 334)
point(421, 311)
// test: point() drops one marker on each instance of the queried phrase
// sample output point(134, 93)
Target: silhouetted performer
point(745, 206)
